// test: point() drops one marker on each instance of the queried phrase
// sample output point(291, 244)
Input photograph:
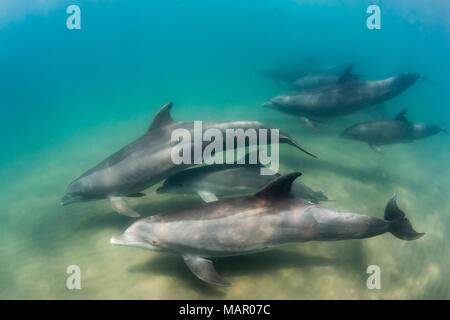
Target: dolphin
point(224, 180)
point(270, 218)
point(145, 162)
point(314, 81)
point(347, 96)
point(399, 130)
point(286, 74)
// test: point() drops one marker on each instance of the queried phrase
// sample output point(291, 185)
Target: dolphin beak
point(128, 240)
point(267, 104)
point(119, 240)
point(68, 199)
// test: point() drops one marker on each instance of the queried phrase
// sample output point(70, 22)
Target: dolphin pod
point(242, 225)
point(145, 162)
point(243, 211)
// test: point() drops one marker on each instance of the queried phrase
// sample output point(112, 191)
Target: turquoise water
point(72, 97)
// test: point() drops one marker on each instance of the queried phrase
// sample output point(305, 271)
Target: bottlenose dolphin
point(242, 225)
point(399, 130)
point(145, 162)
point(314, 81)
point(345, 97)
point(285, 74)
point(224, 180)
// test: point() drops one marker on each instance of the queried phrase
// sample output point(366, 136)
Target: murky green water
point(71, 98)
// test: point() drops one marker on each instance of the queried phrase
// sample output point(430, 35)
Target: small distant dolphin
point(268, 219)
point(145, 162)
point(314, 81)
point(285, 75)
point(345, 97)
point(224, 180)
point(399, 130)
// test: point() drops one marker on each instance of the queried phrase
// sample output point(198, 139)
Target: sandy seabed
point(40, 238)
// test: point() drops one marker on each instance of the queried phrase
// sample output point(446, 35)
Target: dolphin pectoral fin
point(309, 123)
point(207, 196)
point(204, 270)
point(287, 139)
point(376, 148)
point(120, 205)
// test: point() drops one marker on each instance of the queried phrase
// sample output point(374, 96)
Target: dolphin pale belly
point(345, 97)
point(145, 162)
point(398, 130)
point(268, 219)
point(222, 180)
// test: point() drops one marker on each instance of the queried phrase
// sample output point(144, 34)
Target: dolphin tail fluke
point(120, 205)
point(399, 224)
point(444, 130)
point(204, 270)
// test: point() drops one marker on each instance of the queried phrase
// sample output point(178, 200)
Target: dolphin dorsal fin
point(346, 75)
point(401, 116)
point(279, 188)
point(162, 118)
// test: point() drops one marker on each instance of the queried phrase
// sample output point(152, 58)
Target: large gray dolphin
point(345, 97)
point(145, 162)
point(223, 180)
point(268, 219)
point(399, 130)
